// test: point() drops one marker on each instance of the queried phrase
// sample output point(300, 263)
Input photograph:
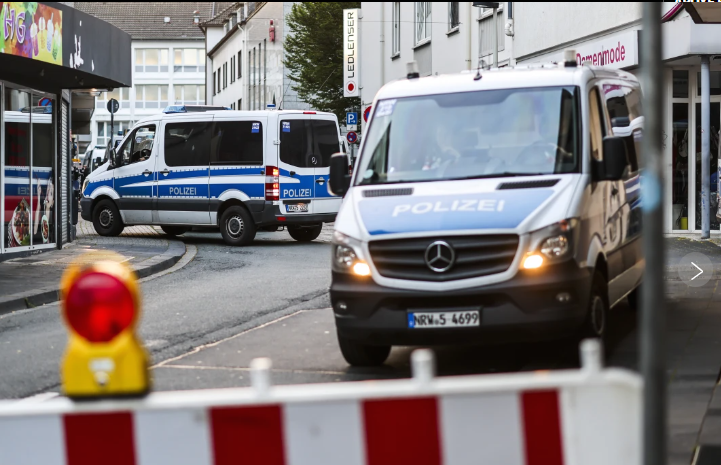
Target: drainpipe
point(705, 148)
point(495, 37)
point(469, 34)
point(383, 44)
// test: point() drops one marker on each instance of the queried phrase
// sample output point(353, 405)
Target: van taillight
point(272, 183)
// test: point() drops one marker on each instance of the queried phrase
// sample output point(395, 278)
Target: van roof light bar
point(192, 108)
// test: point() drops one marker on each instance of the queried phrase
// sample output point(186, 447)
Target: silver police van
point(239, 170)
point(502, 206)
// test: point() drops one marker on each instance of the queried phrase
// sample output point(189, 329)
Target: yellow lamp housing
point(100, 304)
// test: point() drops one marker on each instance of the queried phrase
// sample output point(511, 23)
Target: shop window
point(189, 60)
point(151, 96)
point(30, 153)
point(713, 172)
point(238, 143)
point(187, 144)
point(680, 165)
point(714, 83)
point(151, 60)
point(139, 146)
point(680, 83)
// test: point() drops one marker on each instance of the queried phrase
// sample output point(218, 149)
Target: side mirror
point(339, 177)
point(615, 160)
point(115, 158)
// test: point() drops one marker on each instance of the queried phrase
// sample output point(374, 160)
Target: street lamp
point(495, 6)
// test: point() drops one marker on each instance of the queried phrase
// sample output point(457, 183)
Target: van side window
point(595, 124)
point(308, 143)
point(139, 145)
point(237, 143)
point(624, 108)
point(187, 143)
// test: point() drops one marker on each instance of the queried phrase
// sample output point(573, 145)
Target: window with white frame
point(151, 60)
point(151, 96)
point(103, 134)
point(122, 95)
point(232, 67)
point(453, 16)
point(422, 22)
point(190, 94)
point(188, 60)
point(396, 29)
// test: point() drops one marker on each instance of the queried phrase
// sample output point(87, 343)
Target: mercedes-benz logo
point(440, 256)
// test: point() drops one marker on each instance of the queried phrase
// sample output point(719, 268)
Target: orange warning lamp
point(101, 307)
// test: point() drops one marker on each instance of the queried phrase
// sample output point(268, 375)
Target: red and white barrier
point(588, 416)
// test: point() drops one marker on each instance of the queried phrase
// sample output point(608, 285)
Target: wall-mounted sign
point(351, 76)
point(32, 30)
point(615, 51)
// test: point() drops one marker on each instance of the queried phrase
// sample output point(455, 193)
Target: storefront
point(47, 51)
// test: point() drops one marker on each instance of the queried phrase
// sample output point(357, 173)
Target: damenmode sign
point(351, 76)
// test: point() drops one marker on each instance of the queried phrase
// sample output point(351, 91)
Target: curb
point(42, 296)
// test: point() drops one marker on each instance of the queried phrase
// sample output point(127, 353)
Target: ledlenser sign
point(32, 30)
point(351, 84)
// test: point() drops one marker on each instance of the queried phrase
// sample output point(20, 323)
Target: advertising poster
point(32, 30)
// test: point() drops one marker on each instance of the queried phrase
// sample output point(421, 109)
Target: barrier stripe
point(402, 431)
point(92, 438)
point(172, 437)
point(542, 428)
point(318, 433)
point(251, 435)
point(32, 440)
point(474, 425)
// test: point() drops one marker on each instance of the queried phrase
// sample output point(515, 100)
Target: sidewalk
point(28, 282)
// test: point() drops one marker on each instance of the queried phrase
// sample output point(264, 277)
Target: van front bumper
point(523, 309)
point(85, 205)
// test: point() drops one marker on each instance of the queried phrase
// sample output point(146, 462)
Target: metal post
point(653, 318)
point(495, 38)
point(705, 148)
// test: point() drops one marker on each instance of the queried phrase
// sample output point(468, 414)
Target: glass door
point(17, 188)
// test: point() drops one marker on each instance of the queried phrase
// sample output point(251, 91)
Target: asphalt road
point(204, 322)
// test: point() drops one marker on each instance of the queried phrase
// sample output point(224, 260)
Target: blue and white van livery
point(499, 208)
point(239, 170)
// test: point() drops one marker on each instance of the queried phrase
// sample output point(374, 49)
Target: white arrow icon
point(700, 271)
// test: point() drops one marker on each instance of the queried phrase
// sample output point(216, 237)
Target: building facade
point(48, 52)
point(245, 68)
point(168, 56)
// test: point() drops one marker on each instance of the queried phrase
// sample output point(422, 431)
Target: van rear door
point(296, 160)
point(325, 142)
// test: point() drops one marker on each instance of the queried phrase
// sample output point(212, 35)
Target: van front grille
point(475, 256)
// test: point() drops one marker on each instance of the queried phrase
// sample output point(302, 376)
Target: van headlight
point(85, 186)
point(552, 244)
point(348, 256)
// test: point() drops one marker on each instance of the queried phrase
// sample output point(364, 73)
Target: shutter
point(64, 218)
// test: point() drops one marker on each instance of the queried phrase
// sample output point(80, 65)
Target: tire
point(106, 218)
point(237, 226)
point(634, 299)
point(305, 233)
point(362, 355)
point(174, 230)
point(598, 319)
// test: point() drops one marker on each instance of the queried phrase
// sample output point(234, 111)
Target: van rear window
point(308, 143)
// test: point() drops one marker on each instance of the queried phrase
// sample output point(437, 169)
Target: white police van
point(498, 207)
point(239, 170)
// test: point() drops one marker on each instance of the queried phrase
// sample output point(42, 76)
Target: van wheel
point(174, 230)
point(106, 218)
point(358, 354)
point(305, 233)
point(597, 320)
point(237, 226)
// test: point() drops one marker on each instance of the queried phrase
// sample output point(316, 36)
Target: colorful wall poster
point(32, 30)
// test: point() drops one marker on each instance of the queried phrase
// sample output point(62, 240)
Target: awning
point(50, 46)
point(704, 13)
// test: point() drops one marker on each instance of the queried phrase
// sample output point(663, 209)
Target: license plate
point(297, 208)
point(444, 319)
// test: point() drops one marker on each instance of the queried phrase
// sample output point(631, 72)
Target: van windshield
point(484, 134)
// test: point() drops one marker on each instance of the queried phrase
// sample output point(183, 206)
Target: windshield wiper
point(505, 174)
